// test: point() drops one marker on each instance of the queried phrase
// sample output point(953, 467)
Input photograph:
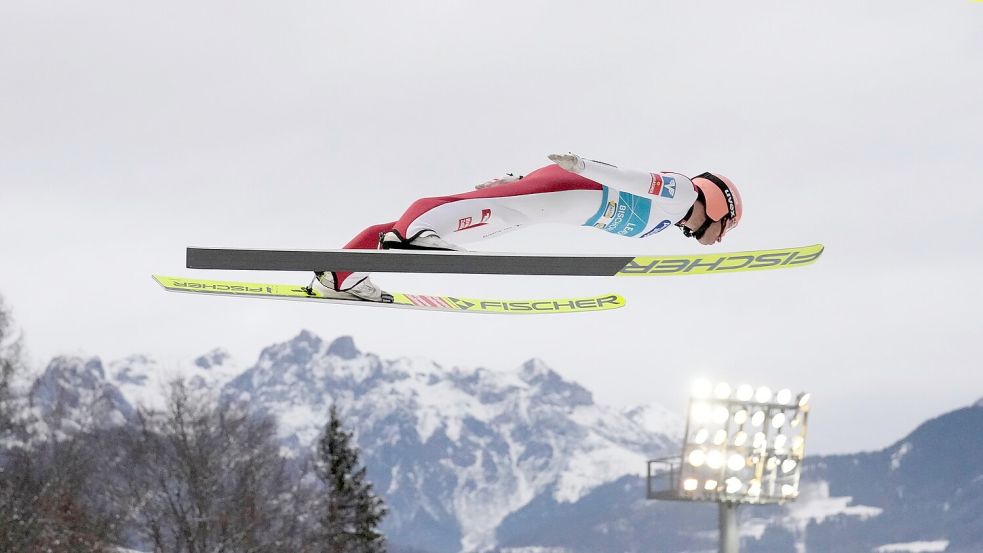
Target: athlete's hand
point(508, 178)
point(570, 162)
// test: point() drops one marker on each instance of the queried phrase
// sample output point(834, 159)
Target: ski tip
point(730, 262)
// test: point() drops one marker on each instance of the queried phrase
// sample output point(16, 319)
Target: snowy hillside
point(143, 380)
point(454, 449)
point(519, 461)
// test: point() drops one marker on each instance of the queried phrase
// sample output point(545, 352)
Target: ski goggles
point(724, 221)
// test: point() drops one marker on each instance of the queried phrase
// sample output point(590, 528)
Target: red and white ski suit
point(620, 201)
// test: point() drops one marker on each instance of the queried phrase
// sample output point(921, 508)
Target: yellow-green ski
point(400, 299)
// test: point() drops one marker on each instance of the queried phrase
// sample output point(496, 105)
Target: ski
point(400, 299)
point(482, 263)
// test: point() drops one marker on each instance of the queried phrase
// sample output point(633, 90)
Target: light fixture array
point(743, 445)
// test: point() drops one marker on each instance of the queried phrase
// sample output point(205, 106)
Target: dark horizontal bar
point(389, 261)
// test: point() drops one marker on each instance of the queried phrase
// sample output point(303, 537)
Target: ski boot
point(423, 240)
point(364, 290)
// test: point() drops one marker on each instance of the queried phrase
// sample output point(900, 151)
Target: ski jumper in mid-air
point(573, 191)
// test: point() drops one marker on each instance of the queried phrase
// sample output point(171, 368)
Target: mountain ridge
point(471, 459)
point(483, 442)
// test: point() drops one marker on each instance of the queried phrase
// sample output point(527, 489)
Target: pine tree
point(351, 511)
point(10, 362)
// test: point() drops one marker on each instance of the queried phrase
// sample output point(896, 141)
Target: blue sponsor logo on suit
point(632, 215)
point(668, 187)
point(658, 228)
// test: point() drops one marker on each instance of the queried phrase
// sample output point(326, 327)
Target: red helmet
point(722, 200)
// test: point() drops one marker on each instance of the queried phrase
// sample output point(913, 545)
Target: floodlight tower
point(741, 445)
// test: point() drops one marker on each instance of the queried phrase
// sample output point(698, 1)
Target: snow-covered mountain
point(454, 451)
point(85, 393)
point(143, 380)
point(74, 394)
point(525, 461)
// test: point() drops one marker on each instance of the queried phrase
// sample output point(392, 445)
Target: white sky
point(130, 130)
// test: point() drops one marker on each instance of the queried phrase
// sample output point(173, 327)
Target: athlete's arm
point(673, 192)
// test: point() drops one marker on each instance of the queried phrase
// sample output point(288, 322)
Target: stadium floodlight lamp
point(697, 457)
point(763, 394)
point(778, 420)
point(749, 433)
point(701, 436)
point(804, 399)
point(784, 396)
point(720, 414)
point(715, 459)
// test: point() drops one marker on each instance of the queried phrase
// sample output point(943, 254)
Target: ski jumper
point(620, 201)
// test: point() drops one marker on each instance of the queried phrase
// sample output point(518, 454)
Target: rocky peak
point(551, 385)
point(298, 351)
point(213, 358)
point(306, 340)
point(70, 372)
point(80, 385)
point(535, 371)
point(344, 347)
point(132, 370)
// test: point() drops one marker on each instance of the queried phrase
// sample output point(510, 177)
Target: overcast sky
point(131, 130)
